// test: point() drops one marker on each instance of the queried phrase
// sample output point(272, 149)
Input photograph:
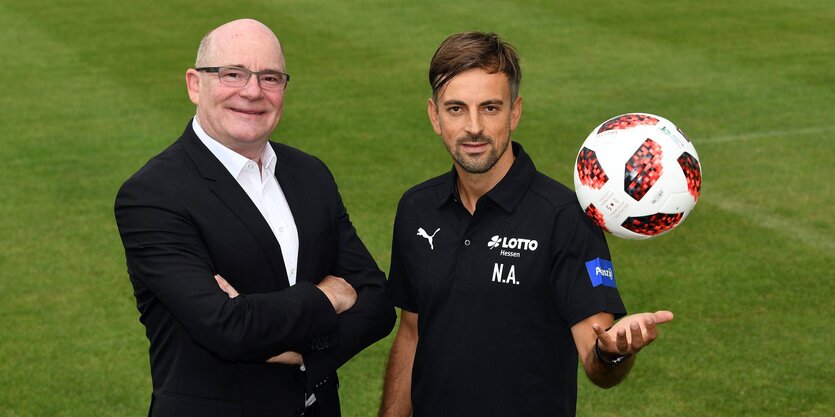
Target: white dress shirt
point(262, 188)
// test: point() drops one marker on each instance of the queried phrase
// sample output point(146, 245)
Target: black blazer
point(182, 219)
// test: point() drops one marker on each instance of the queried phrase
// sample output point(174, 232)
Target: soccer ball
point(661, 176)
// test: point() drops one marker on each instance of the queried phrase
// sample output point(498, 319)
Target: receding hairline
point(205, 51)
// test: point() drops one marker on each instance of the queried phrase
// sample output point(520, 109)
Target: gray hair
point(203, 50)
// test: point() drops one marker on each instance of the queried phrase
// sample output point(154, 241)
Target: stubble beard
point(478, 164)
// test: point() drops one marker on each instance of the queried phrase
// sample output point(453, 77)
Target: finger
point(637, 336)
point(226, 287)
point(622, 342)
point(604, 336)
point(221, 283)
point(662, 316)
point(287, 358)
point(232, 291)
point(651, 331)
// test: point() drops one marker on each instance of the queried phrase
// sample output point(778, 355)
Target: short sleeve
point(583, 279)
point(401, 291)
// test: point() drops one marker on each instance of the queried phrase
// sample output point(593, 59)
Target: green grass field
point(91, 90)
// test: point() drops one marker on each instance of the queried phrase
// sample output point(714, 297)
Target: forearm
point(601, 373)
point(397, 397)
point(397, 389)
point(606, 375)
point(370, 319)
point(372, 315)
point(253, 327)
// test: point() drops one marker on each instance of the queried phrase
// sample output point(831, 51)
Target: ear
point(432, 109)
point(515, 113)
point(193, 85)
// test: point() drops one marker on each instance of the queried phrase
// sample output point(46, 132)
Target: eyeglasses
point(238, 77)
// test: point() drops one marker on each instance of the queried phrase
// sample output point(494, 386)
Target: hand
point(226, 287)
point(340, 293)
point(642, 330)
point(287, 358)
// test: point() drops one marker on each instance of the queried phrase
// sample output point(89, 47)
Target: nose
point(474, 125)
point(252, 89)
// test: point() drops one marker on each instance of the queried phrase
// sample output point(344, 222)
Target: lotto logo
point(513, 243)
point(494, 242)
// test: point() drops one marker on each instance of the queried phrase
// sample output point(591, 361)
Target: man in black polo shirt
point(502, 280)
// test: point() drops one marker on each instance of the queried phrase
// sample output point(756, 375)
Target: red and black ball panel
point(596, 216)
point(643, 169)
point(693, 172)
point(589, 170)
point(653, 224)
point(626, 121)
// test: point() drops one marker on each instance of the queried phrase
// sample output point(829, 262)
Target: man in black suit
point(224, 210)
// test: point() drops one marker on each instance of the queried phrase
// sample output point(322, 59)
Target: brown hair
point(469, 50)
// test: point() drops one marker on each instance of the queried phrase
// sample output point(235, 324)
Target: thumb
point(662, 316)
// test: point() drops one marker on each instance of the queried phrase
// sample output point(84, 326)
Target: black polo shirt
point(497, 292)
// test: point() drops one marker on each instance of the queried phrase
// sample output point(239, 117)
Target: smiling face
point(475, 117)
point(240, 118)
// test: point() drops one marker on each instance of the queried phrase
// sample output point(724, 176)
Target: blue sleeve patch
point(601, 272)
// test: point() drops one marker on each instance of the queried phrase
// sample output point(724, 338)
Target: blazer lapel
point(293, 188)
point(227, 189)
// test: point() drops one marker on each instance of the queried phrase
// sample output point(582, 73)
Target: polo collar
point(507, 193)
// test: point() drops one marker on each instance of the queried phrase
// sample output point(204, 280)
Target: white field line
point(791, 229)
point(768, 134)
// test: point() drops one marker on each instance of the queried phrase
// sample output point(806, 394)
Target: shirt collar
point(510, 189)
point(233, 161)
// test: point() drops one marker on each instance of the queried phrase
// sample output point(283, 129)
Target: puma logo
point(423, 234)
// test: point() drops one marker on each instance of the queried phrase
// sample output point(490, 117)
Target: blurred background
point(91, 90)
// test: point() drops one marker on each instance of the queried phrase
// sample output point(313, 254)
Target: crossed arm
point(169, 251)
point(341, 295)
